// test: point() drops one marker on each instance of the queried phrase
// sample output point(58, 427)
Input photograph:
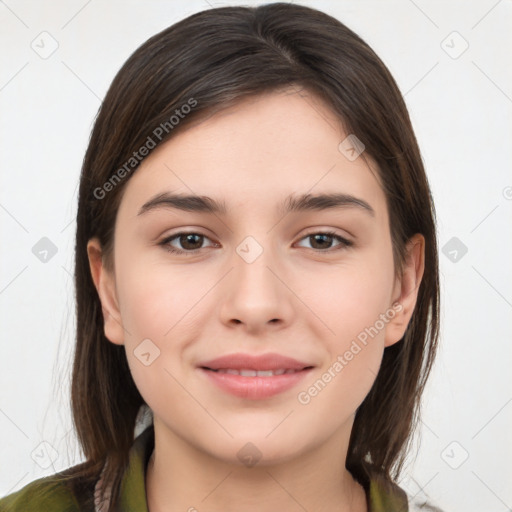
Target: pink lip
point(242, 361)
point(255, 388)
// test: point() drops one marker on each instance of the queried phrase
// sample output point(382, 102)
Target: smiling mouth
point(256, 373)
point(256, 384)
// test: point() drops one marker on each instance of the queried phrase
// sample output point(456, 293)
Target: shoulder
point(53, 493)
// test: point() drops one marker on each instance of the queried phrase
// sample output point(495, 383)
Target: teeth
point(254, 373)
point(249, 373)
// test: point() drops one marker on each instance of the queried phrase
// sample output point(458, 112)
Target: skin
point(212, 303)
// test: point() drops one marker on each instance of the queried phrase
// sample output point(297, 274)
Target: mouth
point(254, 377)
point(256, 373)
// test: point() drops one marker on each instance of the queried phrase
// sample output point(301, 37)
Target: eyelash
point(344, 243)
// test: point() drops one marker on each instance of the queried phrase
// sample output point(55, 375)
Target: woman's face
point(254, 279)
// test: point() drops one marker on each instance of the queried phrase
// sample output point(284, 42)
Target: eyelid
point(326, 231)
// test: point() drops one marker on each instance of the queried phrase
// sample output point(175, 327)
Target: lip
point(240, 361)
point(255, 388)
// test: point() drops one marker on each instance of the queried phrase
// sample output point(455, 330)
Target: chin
point(250, 450)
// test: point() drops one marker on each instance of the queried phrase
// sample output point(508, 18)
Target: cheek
point(355, 304)
point(151, 305)
point(159, 311)
point(157, 301)
point(147, 309)
point(352, 298)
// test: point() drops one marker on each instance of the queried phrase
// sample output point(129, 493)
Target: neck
point(181, 477)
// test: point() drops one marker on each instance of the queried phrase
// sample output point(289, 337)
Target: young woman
point(256, 276)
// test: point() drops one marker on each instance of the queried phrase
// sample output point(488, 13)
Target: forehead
point(256, 153)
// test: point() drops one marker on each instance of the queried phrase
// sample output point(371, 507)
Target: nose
point(255, 294)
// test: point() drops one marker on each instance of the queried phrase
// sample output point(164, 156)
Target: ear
point(406, 289)
point(104, 281)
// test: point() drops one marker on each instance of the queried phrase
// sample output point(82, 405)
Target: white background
point(461, 112)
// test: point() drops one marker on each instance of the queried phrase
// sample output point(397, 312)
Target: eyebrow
point(292, 203)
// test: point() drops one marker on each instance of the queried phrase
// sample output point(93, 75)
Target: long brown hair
point(217, 58)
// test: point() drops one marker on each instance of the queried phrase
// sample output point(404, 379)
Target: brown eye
point(189, 243)
point(322, 241)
